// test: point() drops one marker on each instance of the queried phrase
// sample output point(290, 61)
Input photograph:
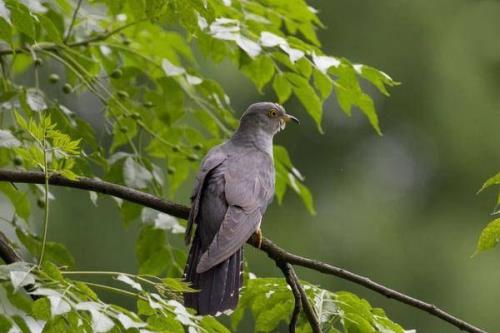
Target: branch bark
point(7, 252)
point(286, 269)
point(272, 250)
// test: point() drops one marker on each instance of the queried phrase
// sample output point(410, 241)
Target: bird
point(233, 188)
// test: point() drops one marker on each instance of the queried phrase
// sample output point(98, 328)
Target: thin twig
point(54, 46)
point(308, 309)
point(285, 269)
point(267, 246)
point(73, 19)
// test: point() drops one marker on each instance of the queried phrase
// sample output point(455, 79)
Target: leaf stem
point(138, 277)
point(113, 289)
point(46, 197)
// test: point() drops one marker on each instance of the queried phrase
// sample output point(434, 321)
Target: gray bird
point(232, 191)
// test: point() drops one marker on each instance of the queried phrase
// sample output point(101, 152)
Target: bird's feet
point(258, 237)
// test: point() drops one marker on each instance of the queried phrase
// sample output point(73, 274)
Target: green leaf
point(5, 323)
point(50, 29)
point(165, 324)
point(268, 321)
point(151, 252)
point(41, 309)
point(22, 20)
point(19, 200)
point(58, 325)
point(21, 323)
point(304, 67)
point(494, 180)
point(366, 105)
point(143, 308)
point(282, 87)
point(349, 93)
point(86, 291)
point(5, 31)
point(181, 173)
point(385, 324)
point(129, 212)
point(137, 8)
point(212, 325)
point(307, 198)
point(177, 285)
point(282, 164)
point(489, 237)
point(269, 300)
point(52, 271)
point(377, 78)
point(18, 299)
point(281, 183)
point(307, 97)
point(322, 83)
point(54, 252)
point(260, 70)
point(308, 31)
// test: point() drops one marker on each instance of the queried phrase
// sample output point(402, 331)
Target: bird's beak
point(289, 117)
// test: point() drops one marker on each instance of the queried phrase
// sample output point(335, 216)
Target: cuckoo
point(233, 188)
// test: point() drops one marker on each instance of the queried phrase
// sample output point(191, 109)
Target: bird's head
point(266, 116)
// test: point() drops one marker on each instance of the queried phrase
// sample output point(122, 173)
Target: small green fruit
point(123, 129)
point(148, 104)
point(176, 148)
point(53, 78)
point(170, 170)
point(67, 88)
point(18, 161)
point(38, 62)
point(193, 158)
point(135, 116)
point(198, 146)
point(122, 94)
point(116, 74)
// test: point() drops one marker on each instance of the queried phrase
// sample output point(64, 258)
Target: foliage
point(271, 304)
point(159, 113)
point(490, 235)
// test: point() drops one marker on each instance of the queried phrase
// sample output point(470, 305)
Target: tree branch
point(308, 309)
point(7, 252)
point(286, 269)
point(9, 256)
point(299, 294)
point(273, 251)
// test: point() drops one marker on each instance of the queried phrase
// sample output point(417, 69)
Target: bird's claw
point(258, 238)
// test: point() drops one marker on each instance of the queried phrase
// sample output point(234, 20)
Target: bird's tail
point(219, 287)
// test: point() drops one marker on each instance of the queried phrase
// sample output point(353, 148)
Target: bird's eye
point(273, 113)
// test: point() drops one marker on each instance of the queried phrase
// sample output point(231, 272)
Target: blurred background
point(401, 208)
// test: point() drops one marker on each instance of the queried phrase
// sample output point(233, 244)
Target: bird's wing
point(249, 186)
point(213, 159)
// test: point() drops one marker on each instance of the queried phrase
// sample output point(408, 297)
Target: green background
point(401, 208)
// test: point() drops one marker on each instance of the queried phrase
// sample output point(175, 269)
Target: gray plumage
point(232, 191)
